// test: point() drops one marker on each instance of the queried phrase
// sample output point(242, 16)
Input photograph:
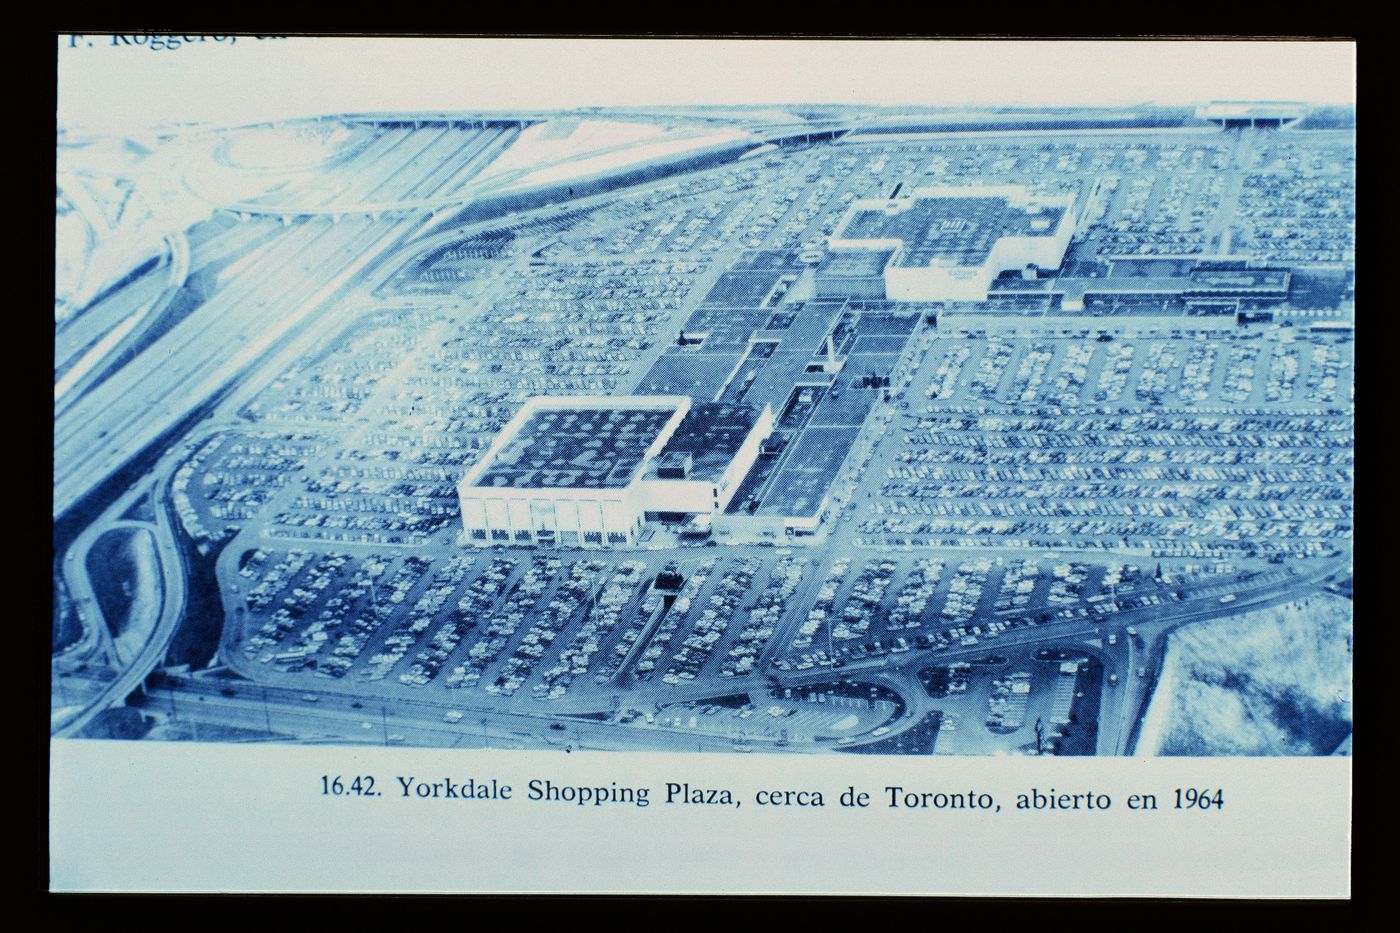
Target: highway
point(80, 333)
point(152, 654)
point(202, 354)
point(461, 187)
point(128, 332)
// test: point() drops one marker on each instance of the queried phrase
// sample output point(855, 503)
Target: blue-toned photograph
point(991, 425)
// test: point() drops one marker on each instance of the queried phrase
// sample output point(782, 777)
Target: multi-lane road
point(202, 354)
point(172, 606)
point(294, 716)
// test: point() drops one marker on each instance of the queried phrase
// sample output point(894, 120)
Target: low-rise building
point(591, 470)
point(947, 243)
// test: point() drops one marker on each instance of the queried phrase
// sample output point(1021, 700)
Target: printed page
point(770, 466)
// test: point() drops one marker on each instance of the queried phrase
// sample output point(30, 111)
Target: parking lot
point(1156, 442)
point(985, 467)
point(994, 705)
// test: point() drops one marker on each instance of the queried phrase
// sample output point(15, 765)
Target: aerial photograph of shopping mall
point(884, 430)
